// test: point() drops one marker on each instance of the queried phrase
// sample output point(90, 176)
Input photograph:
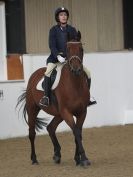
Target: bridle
point(77, 71)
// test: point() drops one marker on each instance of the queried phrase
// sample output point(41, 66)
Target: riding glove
point(60, 59)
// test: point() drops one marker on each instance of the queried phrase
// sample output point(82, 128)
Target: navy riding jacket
point(58, 41)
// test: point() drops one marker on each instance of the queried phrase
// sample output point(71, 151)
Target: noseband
point(77, 71)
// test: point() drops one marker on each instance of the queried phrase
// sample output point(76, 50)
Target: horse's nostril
point(79, 69)
point(76, 71)
point(72, 70)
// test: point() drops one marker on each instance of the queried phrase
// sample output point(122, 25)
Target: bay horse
point(72, 97)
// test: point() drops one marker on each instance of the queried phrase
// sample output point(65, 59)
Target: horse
point(72, 96)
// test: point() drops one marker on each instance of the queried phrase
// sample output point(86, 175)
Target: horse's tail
point(40, 122)
point(22, 102)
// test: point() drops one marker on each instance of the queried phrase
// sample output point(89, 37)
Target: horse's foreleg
point(51, 129)
point(77, 154)
point(80, 156)
point(68, 117)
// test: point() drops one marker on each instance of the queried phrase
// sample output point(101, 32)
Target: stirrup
point(44, 101)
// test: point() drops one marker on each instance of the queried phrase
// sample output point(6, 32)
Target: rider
point(57, 45)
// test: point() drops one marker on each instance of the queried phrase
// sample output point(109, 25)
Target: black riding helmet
point(60, 9)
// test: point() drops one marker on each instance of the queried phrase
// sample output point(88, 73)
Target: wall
point(3, 73)
point(111, 86)
point(10, 124)
point(100, 23)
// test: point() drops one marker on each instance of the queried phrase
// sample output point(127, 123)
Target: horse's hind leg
point(51, 129)
point(32, 114)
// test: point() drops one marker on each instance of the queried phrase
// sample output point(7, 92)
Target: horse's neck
point(75, 81)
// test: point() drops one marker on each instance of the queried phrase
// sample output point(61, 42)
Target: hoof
point(77, 160)
point(85, 163)
point(35, 162)
point(56, 159)
point(77, 163)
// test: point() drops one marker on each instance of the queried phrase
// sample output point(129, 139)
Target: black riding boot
point(92, 100)
point(46, 86)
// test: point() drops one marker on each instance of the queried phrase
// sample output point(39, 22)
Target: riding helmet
point(60, 9)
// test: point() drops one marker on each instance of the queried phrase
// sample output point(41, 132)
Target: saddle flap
point(55, 78)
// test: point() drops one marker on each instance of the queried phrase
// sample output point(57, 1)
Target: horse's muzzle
point(76, 71)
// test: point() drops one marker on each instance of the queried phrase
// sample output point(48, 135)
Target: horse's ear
point(78, 36)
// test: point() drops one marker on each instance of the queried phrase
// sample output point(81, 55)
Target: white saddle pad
point(57, 79)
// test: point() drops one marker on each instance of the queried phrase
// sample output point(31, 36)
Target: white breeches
point(51, 66)
point(49, 69)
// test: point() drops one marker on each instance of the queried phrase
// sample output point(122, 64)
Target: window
point(15, 26)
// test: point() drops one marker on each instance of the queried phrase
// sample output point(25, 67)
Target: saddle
point(55, 78)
